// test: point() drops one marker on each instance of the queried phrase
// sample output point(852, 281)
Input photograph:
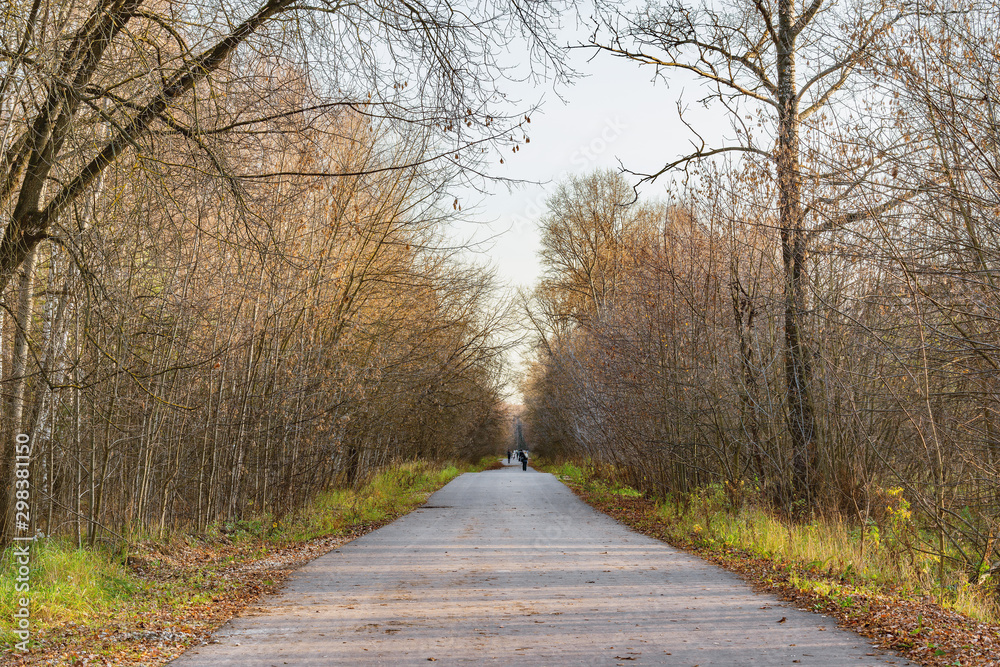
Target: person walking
point(508, 457)
point(524, 461)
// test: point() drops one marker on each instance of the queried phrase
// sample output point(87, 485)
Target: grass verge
point(145, 604)
point(872, 586)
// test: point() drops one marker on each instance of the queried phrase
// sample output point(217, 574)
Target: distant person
point(508, 457)
point(524, 461)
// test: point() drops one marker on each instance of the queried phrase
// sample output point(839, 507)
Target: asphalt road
point(509, 568)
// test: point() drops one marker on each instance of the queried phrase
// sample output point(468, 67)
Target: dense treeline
point(196, 374)
point(666, 343)
point(225, 278)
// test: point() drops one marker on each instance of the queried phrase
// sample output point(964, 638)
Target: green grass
point(67, 585)
point(566, 471)
point(83, 586)
point(587, 476)
point(386, 495)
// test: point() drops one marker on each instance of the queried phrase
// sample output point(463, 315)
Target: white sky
point(616, 112)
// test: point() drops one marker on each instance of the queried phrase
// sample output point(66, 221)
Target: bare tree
point(750, 56)
point(177, 89)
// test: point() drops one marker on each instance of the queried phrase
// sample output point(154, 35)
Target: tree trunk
point(14, 404)
point(798, 373)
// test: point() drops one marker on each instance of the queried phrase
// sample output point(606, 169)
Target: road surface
point(507, 567)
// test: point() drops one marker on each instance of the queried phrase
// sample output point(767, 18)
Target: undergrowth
point(386, 495)
point(71, 586)
point(826, 555)
point(66, 583)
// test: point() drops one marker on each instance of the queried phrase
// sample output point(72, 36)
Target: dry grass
point(886, 557)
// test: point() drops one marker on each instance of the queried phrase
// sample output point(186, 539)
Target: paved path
point(509, 568)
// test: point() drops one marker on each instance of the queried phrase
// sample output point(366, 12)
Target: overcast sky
point(615, 112)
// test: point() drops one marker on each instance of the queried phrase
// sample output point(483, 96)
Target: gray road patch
point(508, 567)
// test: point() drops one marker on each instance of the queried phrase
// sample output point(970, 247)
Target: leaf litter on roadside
point(173, 612)
point(918, 629)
